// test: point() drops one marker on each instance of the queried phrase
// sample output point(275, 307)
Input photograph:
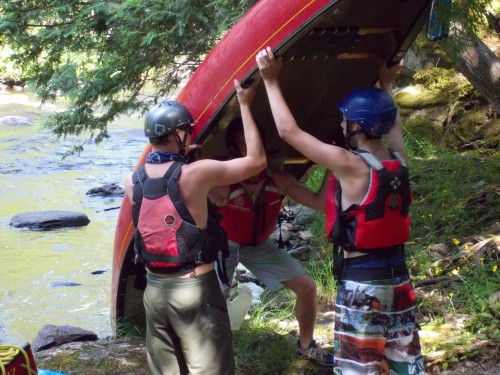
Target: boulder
point(47, 220)
point(15, 121)
point(54, 335)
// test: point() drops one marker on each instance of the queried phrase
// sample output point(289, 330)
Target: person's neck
point(373, 146)
point(164, 148)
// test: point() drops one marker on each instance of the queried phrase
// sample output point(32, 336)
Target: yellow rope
point(9, 352)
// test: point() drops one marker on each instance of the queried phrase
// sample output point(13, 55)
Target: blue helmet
point(370, 107)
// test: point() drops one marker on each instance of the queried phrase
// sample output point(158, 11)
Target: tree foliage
point(468, 21)
point(101, 54)
point(464, 21)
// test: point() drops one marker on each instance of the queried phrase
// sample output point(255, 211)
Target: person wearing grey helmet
point(187, 322)
point(367, 219)
point(164, 118)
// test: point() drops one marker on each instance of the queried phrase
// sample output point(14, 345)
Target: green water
point(34, 177)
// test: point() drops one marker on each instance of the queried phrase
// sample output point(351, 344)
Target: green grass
point(321, 272)
point(454, 195)
point(261, 350)
point(260, 345)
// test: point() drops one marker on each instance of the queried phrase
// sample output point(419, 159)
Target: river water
point(34, 177)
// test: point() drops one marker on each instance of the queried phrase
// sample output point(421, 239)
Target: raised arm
point(330, 156)
point(255, 148)
point(210, 173)
point(395, 136)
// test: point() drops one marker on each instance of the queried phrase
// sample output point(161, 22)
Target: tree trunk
point(481, 67)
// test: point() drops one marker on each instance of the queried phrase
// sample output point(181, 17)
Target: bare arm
point(206, 174)
point(332, 157)
point(288, 185)
point(129, 187)
point(395, 136)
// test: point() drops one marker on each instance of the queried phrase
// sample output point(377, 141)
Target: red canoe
point(328, 48)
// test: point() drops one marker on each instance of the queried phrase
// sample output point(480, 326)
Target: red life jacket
point(167, 238)
point(382, 220)
point(247, 222)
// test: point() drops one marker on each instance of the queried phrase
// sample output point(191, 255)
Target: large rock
point(47, 220)
point(120, 356)
point(15, 121)
point(54, 335)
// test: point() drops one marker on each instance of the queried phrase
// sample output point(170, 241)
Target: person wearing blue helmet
point(372, 109)
point(367, 219)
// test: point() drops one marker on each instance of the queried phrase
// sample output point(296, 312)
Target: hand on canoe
point(245, 95)
point(268, 64)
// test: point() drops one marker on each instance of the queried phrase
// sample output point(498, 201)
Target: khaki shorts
point(270, 264)
point(188, 330)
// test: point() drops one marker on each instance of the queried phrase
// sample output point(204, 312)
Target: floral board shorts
point(375, 325)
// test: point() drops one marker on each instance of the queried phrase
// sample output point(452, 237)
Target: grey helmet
point(165, 117)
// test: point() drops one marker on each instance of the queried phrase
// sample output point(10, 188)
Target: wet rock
point(305, 216)
point(285, 235)
point(57, 284)
point(110, 190)
point(242, 275)
point(54, 335)
point(288, 226)
point(99, 272)
point(15, 121)
point(47, 220)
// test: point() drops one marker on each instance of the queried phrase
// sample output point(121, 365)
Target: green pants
point(188, 330)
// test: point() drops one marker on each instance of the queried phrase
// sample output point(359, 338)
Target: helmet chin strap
point(350, 135)
point(182, 143)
